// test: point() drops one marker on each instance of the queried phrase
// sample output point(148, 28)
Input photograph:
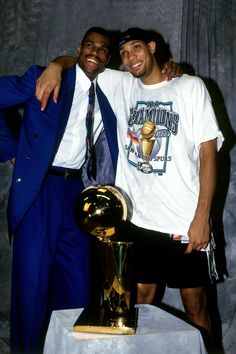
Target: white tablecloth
point(158, 332)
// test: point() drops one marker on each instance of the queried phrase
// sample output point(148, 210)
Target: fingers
point(171, 70)
point(197, 246)
point(38, 90)
point(48, 83)
point(44, 99)
point(189, 248)
point(165, 68)
point(43, 93)
point(56, 93)
point(174, 72)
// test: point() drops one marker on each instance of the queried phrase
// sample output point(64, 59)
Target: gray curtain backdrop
point(201, 34)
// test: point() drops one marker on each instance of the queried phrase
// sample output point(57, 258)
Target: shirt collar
point(82, 79)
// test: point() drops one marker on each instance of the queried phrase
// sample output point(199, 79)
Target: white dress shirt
point(72, 149)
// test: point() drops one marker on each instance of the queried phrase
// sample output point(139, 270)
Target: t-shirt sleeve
point(204, 120)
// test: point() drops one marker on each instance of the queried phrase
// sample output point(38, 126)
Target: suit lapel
point(110, 124)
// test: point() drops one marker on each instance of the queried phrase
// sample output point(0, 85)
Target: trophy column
point(117, 262)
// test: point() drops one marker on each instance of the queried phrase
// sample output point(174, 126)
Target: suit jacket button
point(18, 180)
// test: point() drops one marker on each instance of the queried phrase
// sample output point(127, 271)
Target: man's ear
point(78, 49)
point(152, 47)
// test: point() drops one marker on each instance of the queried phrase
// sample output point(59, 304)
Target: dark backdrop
point(202, 35)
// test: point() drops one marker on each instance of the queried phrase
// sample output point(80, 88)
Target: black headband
point(134, 34)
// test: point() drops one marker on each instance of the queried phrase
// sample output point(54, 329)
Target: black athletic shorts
point(159, 259)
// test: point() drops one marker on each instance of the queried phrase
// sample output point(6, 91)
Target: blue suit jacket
point(8, 143)
point(40, 136)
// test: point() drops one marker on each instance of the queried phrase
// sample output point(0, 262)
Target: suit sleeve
point(16, 90)
point(8, 143)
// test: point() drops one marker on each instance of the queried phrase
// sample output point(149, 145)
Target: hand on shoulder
point(49, 82)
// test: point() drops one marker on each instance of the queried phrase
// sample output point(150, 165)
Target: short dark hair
point(101, 31)
point(163, 53)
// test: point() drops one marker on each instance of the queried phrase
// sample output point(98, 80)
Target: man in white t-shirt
point(168, 139)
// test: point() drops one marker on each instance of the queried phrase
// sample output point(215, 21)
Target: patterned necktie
point(90, 152)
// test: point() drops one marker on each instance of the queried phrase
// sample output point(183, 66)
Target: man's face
point(94, 54)
point(137, 57)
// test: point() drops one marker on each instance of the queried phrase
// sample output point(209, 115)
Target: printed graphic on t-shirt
point(150, 127)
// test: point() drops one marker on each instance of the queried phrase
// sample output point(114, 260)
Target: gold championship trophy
point(100, 210)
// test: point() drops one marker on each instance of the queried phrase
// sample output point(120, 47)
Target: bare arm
point(50, 80)
point(199, 230)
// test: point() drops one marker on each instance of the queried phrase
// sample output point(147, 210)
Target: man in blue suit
point(50, 253)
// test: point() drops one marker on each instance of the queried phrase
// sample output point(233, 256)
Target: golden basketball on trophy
point(100, 210)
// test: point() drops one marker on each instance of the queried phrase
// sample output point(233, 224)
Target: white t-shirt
point(161, 179)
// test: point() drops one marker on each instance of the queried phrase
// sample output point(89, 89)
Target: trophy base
point(97, 320)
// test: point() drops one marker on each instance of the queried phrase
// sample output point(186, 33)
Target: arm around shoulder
point(50, 80)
